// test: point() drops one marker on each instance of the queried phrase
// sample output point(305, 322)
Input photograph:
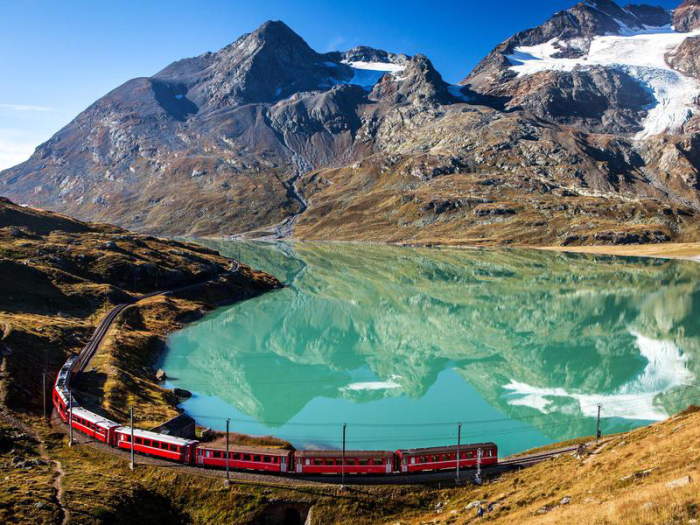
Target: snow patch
point(367, 74)
point(374, 385)
point(639, 53)
point(666, 368)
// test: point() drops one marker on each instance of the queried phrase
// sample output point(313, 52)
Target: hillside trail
point(58, 472)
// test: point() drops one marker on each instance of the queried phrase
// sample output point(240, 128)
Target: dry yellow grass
point(635, 478)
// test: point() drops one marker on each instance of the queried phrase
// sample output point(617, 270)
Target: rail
point(88, 352)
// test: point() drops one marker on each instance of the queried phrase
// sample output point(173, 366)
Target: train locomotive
point(316, 462)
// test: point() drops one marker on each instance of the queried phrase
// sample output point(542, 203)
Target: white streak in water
point(374, 385)
point(666, 368)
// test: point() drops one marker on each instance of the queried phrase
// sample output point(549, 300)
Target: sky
point(56, 58)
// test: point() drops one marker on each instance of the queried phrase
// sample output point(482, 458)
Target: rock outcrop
point(686, 17)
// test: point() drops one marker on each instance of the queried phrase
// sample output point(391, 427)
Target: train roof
point(94, 418)
point(247, 450)
point(158, 437)
point(65, 370)
point(451, 448)
point(339, 454)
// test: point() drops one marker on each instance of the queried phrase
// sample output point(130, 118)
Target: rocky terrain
point(580, 131)
point(59, 276)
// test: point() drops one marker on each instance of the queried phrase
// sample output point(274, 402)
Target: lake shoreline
point(683, 251)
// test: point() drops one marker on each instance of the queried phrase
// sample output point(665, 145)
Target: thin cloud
point(15, 147)
point(334, 45)
point(25, 107)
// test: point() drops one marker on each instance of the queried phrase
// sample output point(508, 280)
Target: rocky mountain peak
point(419, 82)
point(686, 17)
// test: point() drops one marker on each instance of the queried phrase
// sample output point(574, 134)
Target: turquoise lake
point(519, 346)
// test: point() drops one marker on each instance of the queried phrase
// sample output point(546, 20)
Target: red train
point(258, 458)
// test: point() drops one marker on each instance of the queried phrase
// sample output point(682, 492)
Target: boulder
point(680, 482)
point(182, 393)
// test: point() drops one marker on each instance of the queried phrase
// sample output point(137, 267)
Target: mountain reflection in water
point(520, 345)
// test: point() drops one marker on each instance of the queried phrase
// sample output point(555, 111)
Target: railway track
point(442, 477)
point(88, 352)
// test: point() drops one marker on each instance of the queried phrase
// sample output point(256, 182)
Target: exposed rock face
point(686, 59)
point(269, 137)
point(598, 99)
point(687, 16)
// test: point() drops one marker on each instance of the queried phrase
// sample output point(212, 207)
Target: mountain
point(580, 131)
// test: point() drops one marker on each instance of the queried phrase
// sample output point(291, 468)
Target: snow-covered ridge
point(367, 74)
point(639, 53)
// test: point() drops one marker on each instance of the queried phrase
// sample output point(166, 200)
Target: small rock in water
point(565, 500)
point(160, 375)
point(182, 393)
point(39, 504)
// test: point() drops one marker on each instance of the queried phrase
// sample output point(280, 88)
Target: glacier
point(641, 54)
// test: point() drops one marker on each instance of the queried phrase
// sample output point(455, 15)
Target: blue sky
point(56, 58)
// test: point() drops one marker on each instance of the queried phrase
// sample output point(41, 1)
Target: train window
point(266, 459)
point(138, 441)
point(236, 456)
point(363, 462)
point(246, 457)
point(318, 462)
point(257, 458)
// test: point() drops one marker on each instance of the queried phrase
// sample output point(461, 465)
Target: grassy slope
point(627, 480)
point(59, 277)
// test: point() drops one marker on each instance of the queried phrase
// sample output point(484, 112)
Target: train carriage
point(356, 461)
point(160, 445)
point(261, 458)
point(60, 391)
point(439, 458)
point(94, 426)
point(246, 458)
